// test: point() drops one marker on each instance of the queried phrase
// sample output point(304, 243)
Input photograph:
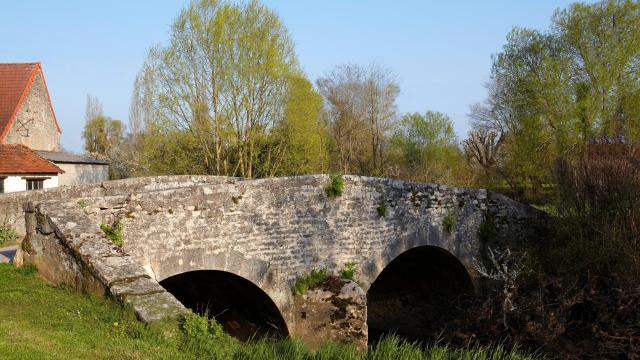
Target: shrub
point(114, 233)
point(382, 208)
point(205, 338)
point(335, 187)
point(7, 235)
point(348, 271)
point(599, 211)
point(448, 224)
point(82, 203)
point(309, 281)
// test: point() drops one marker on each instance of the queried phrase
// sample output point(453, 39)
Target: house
point(23, 169)
point(27, 118)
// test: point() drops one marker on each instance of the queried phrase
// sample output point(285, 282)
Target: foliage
point(552, 92)
point(382, 208)
point(487, 232)
point(101, 134)
point(114, 233)
point(335, 187)
point(236, 199)
point(348, 271)
point(598, 225)
point(425, 148)
point(309, 281)
point(449, 223)
point(229, 87)
point(7, 235)
point(361, 110)
point(82, 203)
point(205, 338)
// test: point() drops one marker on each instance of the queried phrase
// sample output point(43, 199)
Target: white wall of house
point(14, 183)
point(75, 174)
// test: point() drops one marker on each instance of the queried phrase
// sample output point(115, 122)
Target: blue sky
point(440, 51)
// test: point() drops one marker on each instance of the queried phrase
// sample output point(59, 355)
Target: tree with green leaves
point(223, 84)
point(424, 147)
point(552, 92)
point(101, 134)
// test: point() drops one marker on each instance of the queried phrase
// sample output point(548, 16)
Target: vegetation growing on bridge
point(382, 208)
point(43, 322)
point(335, 187)
point(310, 280)
point(348, 271)
point(114, 233)
point(449, 223)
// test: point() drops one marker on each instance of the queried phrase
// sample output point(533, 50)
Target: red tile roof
point(15, 82)
point(19, 159)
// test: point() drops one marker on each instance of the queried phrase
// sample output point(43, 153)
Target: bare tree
point(93, 108)
point(136, 108)
point(361, 106)
point(504, 266)
point(482, 149)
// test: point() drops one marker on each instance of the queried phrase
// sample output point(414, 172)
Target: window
point(35, 184)
point(1, 185)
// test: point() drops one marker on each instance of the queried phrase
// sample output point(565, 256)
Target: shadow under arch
point(417, 294)
point(241, 307)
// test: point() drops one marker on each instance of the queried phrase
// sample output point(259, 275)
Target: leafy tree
point(223, 83)
point(426, 147)
point(101, 134)
point(302, 133)
point(551, 93)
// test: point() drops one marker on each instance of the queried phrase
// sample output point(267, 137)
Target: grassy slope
point(41, 322)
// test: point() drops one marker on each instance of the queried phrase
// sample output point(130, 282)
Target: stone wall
point(11, 205)
point(69, 249)
point(41, 132)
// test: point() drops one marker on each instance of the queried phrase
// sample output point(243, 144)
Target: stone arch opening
point(244, 310)
point(417, 294)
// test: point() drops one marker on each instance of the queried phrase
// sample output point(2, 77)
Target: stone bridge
point(234, 248)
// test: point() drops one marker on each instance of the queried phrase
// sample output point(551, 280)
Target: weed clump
point(114, 233)
point(335, 187)
point(7, 235)
point(309, 281)
point(382, 208)
point(449, 224)
point(348, 271)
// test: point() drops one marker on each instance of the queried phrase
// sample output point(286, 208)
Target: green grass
point(38, 321)
point(41, 322)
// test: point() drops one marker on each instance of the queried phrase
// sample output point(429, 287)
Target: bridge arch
point(243, 309)
point(417, 293)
